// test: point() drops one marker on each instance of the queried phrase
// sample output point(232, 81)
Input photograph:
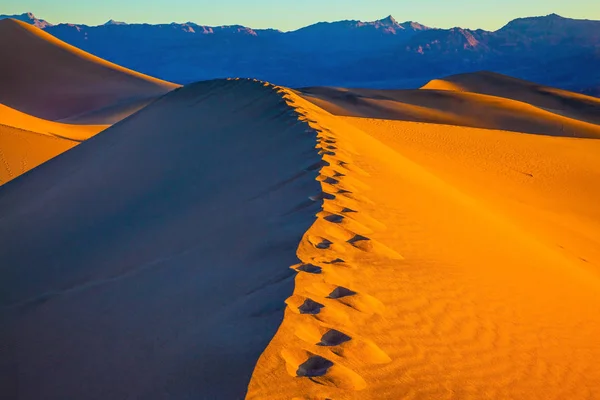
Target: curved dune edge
point(83, 54)
point(155, 255)
point(27, 141)
point(56, 81)
point(575, 105)
point(21, 151)
point(20, 120)
point(409, 287)
point(480, 101)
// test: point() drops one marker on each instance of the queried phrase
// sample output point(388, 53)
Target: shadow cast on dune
point(153, 259)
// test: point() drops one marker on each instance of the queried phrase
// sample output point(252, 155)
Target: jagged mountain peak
point(389, 20)
point(30, 18)
point(113, 22)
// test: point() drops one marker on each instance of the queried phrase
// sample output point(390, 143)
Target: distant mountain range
point(551, 50)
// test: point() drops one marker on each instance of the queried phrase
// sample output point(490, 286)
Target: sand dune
point(26, 141)
point(152, 260)
point(425, 276)
point(54, 81)
point(571, 104)
point(549, 112)
point(19, 120)
point(235, 238)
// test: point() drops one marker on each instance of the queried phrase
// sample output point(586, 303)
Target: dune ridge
point(234, 238)
point(576, 105)
point(54, 80)
point(55, 96)
point(481, 100)
point(27, 141)
point(413, 283)
point(19, 120)
point(171, 276)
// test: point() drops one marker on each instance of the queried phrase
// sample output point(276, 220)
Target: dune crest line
point(325, 314)
point(172, 275)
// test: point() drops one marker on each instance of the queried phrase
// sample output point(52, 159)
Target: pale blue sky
point(292, 14)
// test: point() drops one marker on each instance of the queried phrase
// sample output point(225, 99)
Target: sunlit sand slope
point(533, 110)
point(420, 283)
point(45, 77)
point(78, 133)
point(26, 141)
point(152, 261)
point(572, 104)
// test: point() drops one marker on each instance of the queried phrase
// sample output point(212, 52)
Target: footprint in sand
point(333, 338)
point(310, 307)
point(317, 166)
point(310, 269)
point(334, 218)
point(324, 244)
point(366, 244)
point(358, 238)
point(314, 366)
point(322, 196)
point(331, 181)
point(344, 192)
point(304, 364)
point(340, 292)
point(327, 153)
point(336, 261)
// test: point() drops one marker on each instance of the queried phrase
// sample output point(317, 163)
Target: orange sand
point(533, 108)
point(45, 77)
point(234, 238)
point(26, 141)
point(447, 263)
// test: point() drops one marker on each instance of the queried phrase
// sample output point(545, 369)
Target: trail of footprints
point(332, 310)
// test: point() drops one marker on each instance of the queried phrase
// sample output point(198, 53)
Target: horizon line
point(29, 13)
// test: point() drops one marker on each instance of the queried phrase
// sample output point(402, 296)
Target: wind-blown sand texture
point(447, 263)
point(233, 239)
point(40, 76)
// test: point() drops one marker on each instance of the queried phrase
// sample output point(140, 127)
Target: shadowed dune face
point(53, 80)
point(153, 259)
point(489, 103)
point(41, 76)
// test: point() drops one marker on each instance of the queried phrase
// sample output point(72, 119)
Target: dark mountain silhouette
point(551, 50)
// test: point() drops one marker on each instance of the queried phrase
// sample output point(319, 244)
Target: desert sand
point(235, 239)
point(447, 263)
point(27, 141)
point(502, 103)
point(53, 81)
